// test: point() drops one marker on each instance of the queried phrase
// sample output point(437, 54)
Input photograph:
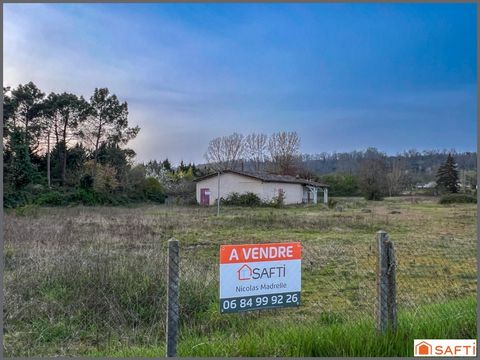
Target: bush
point(52, 198)
point(279, 200)
point(86, 182)
point(27, 210)
point(247, 199)
point(85, 197)
point(458, 199)
point(342, 185)
point(17, 198)
point(153, 190)
point(332, 203)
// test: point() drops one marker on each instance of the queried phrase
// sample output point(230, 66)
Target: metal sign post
point(218, 195)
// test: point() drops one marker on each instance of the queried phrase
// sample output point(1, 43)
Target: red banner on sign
point(230, 254)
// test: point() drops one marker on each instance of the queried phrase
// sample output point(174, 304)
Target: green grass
point(319, 338)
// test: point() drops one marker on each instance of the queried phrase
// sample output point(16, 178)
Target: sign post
point(259, 276)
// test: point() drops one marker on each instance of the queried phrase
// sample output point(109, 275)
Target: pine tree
point(20, 169)
point(447, 176)
point(167, 165)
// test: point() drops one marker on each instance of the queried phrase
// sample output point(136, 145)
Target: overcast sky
point(344, 76)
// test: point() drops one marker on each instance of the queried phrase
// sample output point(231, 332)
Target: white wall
point(242, 184)
point(293, 192)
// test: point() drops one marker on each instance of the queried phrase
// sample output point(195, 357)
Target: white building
point(265, 186)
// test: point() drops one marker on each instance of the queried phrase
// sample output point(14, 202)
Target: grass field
point(91, 281)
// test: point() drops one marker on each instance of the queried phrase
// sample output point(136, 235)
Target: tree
point(120, 159)
point(372, 174)
point(20, 171)
point(256, 148)
point(447, 176)
point(284, 149)
point(225, 152)
point(76, 156)
point(167, 165)
point(27, 102)
point(396, 177)
point(342, 184)
point(9, 108)
point(106, 123)
point(65, 113)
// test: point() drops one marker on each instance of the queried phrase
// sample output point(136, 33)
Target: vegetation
point(342, 184)
point(252, 200)
point(236, 199)
point(330, 336)
point(62, 149)
point(447, 176)
point(373, 176)
point(279, 153)
point(458, 199)
point(91, 281)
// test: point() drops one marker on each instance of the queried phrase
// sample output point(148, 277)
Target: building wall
point(293, 192)
point(242, 184)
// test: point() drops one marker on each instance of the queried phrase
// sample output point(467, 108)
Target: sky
point(344, 76)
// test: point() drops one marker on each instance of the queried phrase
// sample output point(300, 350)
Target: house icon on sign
point(245, 272)
point(423, 348)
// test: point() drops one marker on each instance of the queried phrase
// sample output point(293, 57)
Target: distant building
point(266, 186)
point(430, 185)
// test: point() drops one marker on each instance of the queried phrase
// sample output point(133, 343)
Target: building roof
point(268, 178)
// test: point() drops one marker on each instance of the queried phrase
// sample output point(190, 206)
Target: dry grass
point(83, 278)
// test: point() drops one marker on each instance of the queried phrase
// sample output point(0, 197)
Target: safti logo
point(423, 348)
point(245, 272)
point(445, 348)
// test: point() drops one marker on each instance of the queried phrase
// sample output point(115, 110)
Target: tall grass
point(314, 338)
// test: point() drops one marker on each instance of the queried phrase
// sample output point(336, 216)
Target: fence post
point(172, 297)
point(386, 315)
point(392, 286)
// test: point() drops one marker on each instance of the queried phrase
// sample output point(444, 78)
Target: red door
point(205, 196)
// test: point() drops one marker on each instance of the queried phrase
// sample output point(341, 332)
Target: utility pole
point(218, 195)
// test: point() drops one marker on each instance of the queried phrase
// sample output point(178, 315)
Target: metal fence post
point(386, 312)
point(172, 297)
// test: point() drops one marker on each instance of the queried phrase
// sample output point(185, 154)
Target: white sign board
point(256, 276)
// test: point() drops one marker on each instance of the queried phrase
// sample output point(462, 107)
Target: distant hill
point(425, 161)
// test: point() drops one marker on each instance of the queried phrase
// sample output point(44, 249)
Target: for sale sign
point(259, 276)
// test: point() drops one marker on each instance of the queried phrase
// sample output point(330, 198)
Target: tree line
point(278, 153)
point(62, 141)
point(370, 173)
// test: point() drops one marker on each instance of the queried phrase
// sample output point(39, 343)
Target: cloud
point(193, 72)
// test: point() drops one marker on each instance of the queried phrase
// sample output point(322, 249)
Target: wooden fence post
point(386, 312)
point(392, 286)
point(172, 297)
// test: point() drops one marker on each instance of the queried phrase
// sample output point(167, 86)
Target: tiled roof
point(269, 178)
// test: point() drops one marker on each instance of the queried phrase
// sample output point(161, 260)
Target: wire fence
point(99, 280)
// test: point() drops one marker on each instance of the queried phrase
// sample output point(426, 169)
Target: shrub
point(332, 203)
point(278, 201)
point(153, 190)
point(86, 182)
point(247, 199)
point(85, 197)
point(458, 199)
point(30, 210)
point(17, 198)
point(51, 198)
point(342, 185)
